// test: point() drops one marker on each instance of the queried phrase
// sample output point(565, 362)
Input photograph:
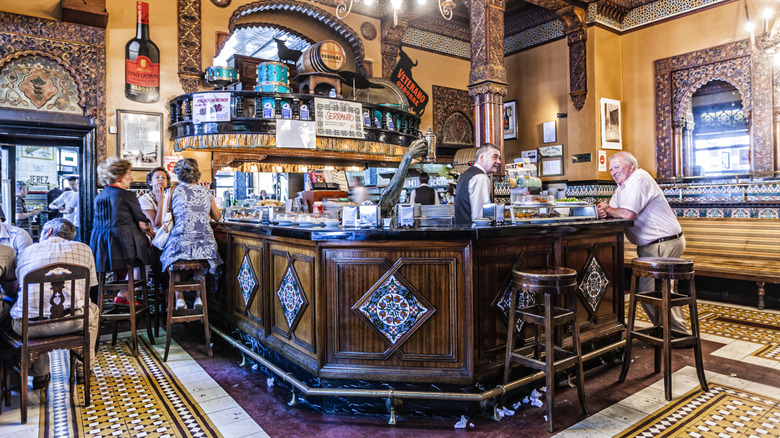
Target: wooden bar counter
point(419, 305)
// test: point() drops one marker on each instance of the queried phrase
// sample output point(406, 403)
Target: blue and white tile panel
point(437, 43)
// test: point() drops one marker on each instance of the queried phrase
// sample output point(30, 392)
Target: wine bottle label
point(304, 112)
point(286, 111)
point(142, 72)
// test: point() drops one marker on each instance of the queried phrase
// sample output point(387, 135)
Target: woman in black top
point(120, 228)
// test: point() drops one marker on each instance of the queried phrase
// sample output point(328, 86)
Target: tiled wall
point(760, 199)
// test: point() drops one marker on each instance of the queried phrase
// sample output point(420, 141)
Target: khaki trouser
point(670, 248)
point(41, 365)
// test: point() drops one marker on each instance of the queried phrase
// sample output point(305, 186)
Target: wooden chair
point(27, 350)
point(176, 284)
point(110, 311)
point(547, 284)
point(664, 270)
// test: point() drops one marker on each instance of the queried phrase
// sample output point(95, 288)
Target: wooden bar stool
point(663, 338)
point(114, 312)
point(176, 284)
point(549, 284)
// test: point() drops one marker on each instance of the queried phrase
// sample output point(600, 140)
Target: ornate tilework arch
point(678, 77)
point(313, 12)
point(72, 75)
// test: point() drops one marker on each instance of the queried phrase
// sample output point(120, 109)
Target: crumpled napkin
point(464, 421)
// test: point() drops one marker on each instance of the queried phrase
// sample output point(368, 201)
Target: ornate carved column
point(683, 156)
point(573, 19)
point(487, 79)
point(391, 43)
point(190, 71)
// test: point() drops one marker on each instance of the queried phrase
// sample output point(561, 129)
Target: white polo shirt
point(654, 218)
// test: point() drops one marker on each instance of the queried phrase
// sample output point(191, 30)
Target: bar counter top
point(456, 232)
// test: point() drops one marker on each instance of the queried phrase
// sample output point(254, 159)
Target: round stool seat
point(545, 280)
point(663, 267)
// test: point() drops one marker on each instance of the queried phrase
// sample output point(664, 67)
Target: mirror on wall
point(720, 141)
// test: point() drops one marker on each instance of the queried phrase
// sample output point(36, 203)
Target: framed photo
point(552, 166)
point(510, 120)
point(548, 132)
point(140, 138)
point(39, 152)
point(69, 158)
point(611, 120)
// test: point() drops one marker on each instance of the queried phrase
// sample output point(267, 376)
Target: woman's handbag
point(162, 234)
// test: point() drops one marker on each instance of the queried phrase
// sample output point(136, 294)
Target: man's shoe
point(181, 304)
point(198, 304)
point(40, 382)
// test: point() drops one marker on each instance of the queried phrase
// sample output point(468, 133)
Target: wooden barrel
point(324, 57)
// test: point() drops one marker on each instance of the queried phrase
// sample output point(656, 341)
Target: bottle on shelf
point(142, 61)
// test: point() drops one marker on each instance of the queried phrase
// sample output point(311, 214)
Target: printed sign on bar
point(210, 107)
point(338, 118)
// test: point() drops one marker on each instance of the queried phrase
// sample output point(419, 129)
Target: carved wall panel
point(190, 70)
point(448, 103)
point(32, 80)
point(678, 77)
point(78, 49)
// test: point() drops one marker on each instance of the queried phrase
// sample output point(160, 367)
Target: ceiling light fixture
point(344, 7)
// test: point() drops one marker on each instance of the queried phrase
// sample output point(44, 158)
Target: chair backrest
point(51, 281)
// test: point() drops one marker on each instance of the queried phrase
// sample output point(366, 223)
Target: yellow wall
point(640, 49)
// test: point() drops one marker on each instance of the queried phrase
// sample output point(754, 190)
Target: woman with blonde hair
point(120, 228)
point(191, 237)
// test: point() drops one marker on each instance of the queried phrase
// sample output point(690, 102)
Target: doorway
point(40, 152)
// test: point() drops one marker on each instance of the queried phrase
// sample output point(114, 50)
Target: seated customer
point(56, 246)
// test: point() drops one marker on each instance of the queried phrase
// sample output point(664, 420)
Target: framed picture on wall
point(39, 152)
point(510, 120)
point(548, 132)
point(611, 121)
point(139, 138)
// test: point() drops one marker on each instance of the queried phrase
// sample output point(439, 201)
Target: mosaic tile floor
point(141, 397)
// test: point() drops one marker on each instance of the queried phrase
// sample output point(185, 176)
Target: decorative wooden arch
point(313, 12)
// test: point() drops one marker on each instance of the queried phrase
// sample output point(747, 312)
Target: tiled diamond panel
point(436, 42)
point(524, 299)
point(247, 280)
point(291, 297)
point(594, 284)
point(393, 309)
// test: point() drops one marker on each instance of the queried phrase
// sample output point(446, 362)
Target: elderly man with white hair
point(656, 231)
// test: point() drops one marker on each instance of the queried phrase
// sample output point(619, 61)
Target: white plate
point(533, 204)
point(570, 204)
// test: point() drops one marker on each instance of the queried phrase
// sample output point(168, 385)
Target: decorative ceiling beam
point(190, 70)
point(573, 20)
point(612, 10)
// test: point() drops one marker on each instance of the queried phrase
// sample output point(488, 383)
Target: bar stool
point(176, 284)
point(663, 338)
point(550, 284)
point(115, 312)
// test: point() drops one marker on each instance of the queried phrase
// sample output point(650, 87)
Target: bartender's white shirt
point(479, 192)
point(654, 218)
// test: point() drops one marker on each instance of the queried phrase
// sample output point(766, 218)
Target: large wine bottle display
point(142, 61)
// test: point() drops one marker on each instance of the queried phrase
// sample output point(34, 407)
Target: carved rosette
point(368, 31)
point(189, 45)
point(573, 19)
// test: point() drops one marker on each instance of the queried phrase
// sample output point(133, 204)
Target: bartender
point(474, 186)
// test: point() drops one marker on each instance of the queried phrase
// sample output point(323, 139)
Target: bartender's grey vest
point(424, 195)
point(462, 201)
